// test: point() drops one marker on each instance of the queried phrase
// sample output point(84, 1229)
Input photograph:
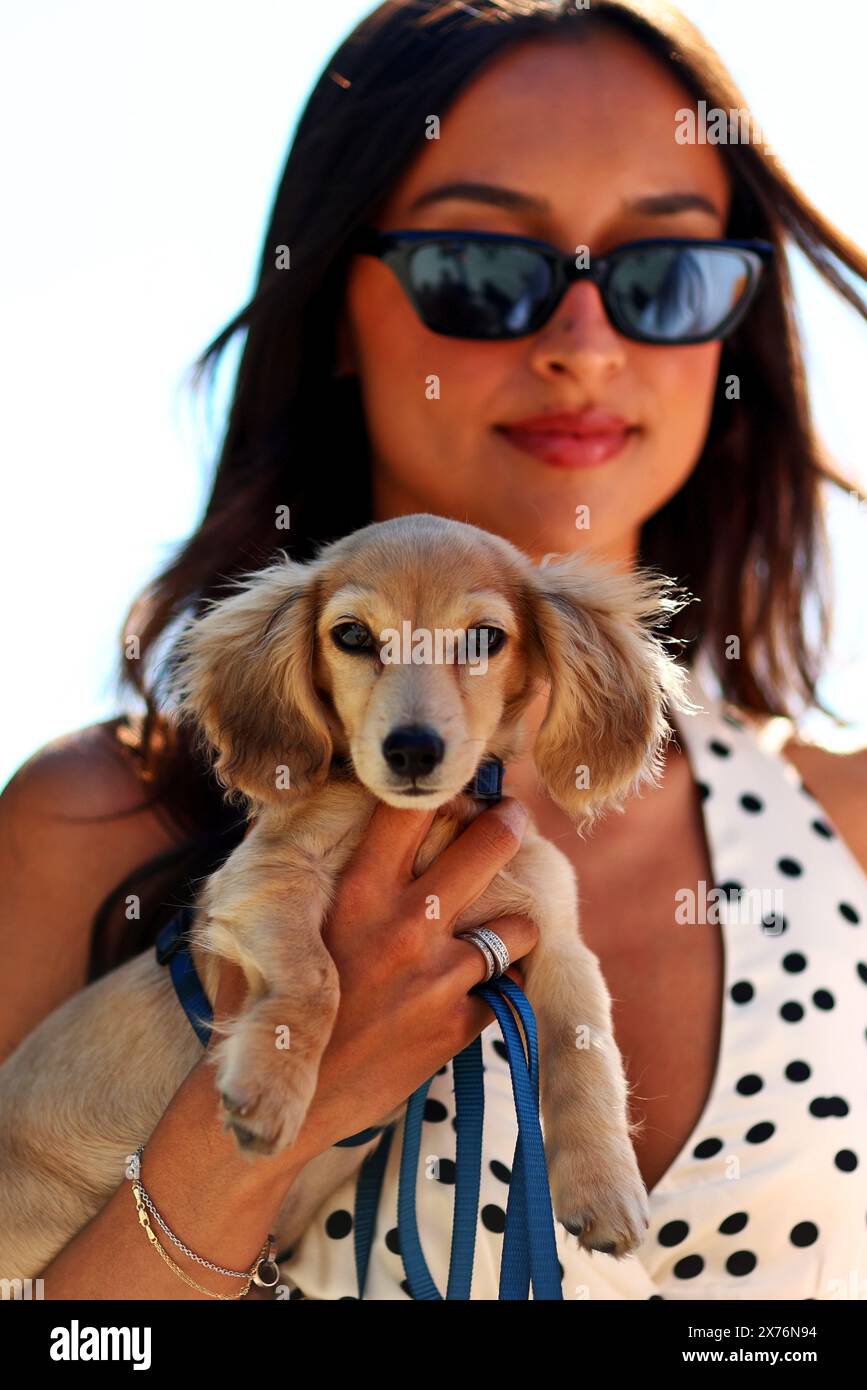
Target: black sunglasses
point(673, 291)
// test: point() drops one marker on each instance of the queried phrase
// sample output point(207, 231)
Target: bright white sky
point(142, 146)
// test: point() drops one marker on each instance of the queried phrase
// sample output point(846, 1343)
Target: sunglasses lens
point(665, 294)
point(477, 289)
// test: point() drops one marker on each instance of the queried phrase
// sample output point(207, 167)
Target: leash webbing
point(470, 1107)
point(529, 1246)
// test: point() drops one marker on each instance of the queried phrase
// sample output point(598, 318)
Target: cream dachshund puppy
point(296, 670)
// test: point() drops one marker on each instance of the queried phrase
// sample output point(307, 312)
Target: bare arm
point(214, 1199)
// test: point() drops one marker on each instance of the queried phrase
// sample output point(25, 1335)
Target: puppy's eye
point(352, 637)
point(495, 638)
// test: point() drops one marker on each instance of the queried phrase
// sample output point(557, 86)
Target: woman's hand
point(405, 1007)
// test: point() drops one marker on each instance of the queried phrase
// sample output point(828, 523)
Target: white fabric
point(776, 1217)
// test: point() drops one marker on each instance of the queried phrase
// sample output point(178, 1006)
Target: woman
point(688, 447)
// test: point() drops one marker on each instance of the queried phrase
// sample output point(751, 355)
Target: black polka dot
point(500, 1170)
point(734, 1223)
point(295, 1294)
point(741, 1262)
point(404, 1284)
point(703, 790)
point(721, 750)
point(797, 1071)
point(847, 911)
point(752, 803)
point(792, 1012)
point(759, 1133)
point(862, 972)
point(805, 1233)
point(434, 1112)
point(446, 1170)
point(501, 1049)
point(656, 1298)
point(688, 1267)
point(392, 1240)
point(846, 1160)
point(822, 828)
point(749, 1084)
point(742, 992)
point(823, 999)
point(348, 1298)
point(790, 867)
point(707, 1148)
point(673, 1232)
point(829, 1107)
point(774, 924)
point(731, 889)
point(338, 1224)
point(493, 1218)
point(794, 962)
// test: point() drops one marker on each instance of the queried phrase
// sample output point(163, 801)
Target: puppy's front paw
point(598, 1194)
point(266, 1080)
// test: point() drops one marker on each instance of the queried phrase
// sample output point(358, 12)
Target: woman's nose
point(579, 337)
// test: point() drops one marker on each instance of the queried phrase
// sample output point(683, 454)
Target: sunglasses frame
point(395, 249)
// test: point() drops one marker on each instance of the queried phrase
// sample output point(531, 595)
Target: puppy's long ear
point(245, 679)
point(612, 681)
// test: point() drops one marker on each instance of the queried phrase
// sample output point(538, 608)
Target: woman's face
point(587, 132)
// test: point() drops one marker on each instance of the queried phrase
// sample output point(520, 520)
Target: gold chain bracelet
point(264, 1260)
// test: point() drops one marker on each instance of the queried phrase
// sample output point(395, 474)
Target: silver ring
point(480, 945)
point(493, 948)
point(498, 946)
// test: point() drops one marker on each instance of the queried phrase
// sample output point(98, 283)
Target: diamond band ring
point(492, 947)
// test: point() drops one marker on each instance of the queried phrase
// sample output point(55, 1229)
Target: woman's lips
point(579, 441)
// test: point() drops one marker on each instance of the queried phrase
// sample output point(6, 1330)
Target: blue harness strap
point(172, 950)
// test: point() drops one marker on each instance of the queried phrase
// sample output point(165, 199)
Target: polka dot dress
point(768, 1197)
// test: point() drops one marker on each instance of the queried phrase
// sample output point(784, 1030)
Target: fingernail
point(514, 813)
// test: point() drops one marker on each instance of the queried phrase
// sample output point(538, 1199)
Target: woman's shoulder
point(836, 778)
point(74, 819)
point(88, 776)
point(80, 803)
point(85, 767)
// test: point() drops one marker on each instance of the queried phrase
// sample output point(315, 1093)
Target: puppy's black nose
point(413, 751)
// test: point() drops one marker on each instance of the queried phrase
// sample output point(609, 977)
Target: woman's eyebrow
point(496, 195)
point(660, 204)
point(492, 193)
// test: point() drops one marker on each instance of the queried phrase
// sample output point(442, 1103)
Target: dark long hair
point(745, 533)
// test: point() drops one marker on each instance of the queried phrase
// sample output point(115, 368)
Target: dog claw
point(235, 1105)
point(249, 1141)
